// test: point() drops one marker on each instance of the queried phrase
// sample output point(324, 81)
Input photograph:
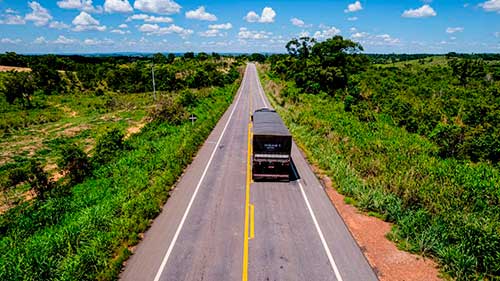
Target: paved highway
point(218, 225)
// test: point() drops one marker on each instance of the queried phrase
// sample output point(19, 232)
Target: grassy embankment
point(444, 208)
point(85, 234)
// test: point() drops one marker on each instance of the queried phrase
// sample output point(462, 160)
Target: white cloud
point(117, 6)
point(225, 26)
point(94, 42)
point(64, 41)
point(82, 5)
point(39, 15)
point(58, 25)
point(157, 30)
point(267, 16)
point(85, 22)
point(12, 19)
point(352, 18)
point(452, 30)
point(354, 7)
point(157, 6)
point(252, 17)
point(423, 12)
point(359, 35)
point(200, 14)
point(373, 39)
point(123, 25)
point(497, 34)
point(149, 28)
point(326, 33)
point(11, 11)
point(297, 22)
point(85, 19)
point(210, 33)
point(10, 41)
point(40, 40)
point(244, 33)
point(491, 6)
point(119, 31)
point(148, 18)
point(386, 39)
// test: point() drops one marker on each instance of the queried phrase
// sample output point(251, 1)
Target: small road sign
point(192, 118)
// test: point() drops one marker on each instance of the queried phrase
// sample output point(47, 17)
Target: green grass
point(85, 234)
point(448, 209)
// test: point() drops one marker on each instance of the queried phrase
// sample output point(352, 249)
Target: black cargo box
point(270, 135)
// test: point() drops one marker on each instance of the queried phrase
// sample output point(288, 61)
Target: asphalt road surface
point(218, 225)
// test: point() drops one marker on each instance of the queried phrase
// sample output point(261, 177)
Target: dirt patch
point(390, 263)
point(4, 68)
point(8, 201)
point(23, 145)
point(73, 131)
point(134, 129)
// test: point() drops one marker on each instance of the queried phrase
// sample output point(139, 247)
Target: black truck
point(272, 145)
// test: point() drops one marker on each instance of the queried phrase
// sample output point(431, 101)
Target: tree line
point(456, 104)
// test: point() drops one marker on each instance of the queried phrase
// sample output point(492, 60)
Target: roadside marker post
point(193, 118)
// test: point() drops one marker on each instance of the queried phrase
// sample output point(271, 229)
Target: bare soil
point(389, 263)
point(135, 128)
point(4, 68)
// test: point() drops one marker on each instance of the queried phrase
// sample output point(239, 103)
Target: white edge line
point(181, 224)
point(321, 236)
point(259, 86)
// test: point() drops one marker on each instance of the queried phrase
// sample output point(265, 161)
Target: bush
point(75, 162)
point(170, 110)
point(38, 179)
point(108, 145)
point(188, 98)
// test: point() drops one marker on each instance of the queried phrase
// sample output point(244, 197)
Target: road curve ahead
point(218, 225)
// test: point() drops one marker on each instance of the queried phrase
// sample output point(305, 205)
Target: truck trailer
point(272, 145)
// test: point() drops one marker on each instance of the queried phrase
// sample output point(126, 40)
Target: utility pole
point(154, 85)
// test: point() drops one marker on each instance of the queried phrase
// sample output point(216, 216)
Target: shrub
point(108, 145)
point(170, 110)
point(75, 162)
point(38, 180)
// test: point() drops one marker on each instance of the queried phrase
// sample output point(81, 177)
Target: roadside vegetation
point(89, 157)
point(412, 140)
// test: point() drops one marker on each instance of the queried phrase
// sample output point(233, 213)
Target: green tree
point(19, 85)
point(202, 56)
point(189, 55)
point(464, 69)
point(300, 48)
point(159, 58)
point(170, 58)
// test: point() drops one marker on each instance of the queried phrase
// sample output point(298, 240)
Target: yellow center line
point(244, 274)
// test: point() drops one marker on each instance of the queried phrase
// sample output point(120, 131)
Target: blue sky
point(381, 26)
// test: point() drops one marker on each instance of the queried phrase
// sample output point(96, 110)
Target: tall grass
point(448, 209)
point(86, 234)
